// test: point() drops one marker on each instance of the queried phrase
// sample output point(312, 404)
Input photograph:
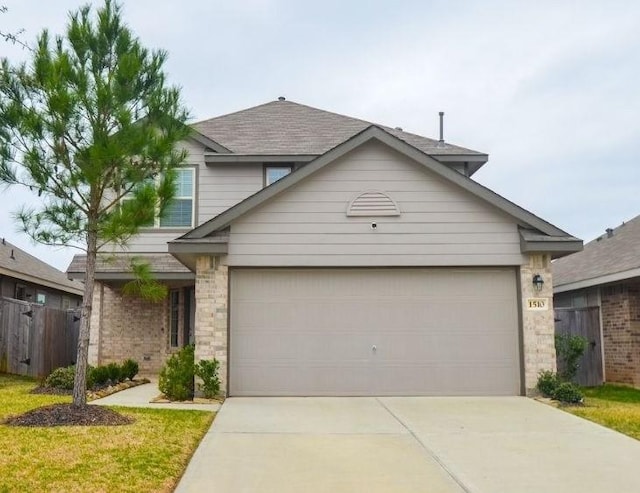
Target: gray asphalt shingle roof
point(29, 268)
point(285, 127)
point(602, 256)
point(121, 263)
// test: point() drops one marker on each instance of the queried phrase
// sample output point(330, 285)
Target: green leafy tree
point(88, 121)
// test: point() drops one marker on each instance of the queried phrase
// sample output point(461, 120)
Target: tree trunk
point(80, 380)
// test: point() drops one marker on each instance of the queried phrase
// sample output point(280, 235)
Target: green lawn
point(149, 455)
point(613, 406)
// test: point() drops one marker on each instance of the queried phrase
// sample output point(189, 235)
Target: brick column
point(211, 313)
point(538, 326)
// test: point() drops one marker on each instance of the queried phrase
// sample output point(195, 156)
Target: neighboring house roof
point(612, 257)
point(555, 240)
point(118, 266)
point(288, 128)
point(18, 264)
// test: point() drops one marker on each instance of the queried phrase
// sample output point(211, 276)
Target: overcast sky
point(550, 90)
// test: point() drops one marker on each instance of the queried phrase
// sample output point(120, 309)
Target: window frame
point(267, 167)
point(156, 217)
point(174, 309)
point(183, 197)
point(20, 288)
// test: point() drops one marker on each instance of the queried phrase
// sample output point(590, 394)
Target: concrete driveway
point(408, 444)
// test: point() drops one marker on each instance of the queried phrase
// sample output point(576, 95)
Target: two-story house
point(313, 253)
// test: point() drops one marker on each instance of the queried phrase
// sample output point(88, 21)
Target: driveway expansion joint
point(426, 448)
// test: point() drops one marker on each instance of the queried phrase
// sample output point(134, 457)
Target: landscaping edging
point(162, 399)
point(112, 389)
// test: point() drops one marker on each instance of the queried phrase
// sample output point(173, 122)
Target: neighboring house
point(24, 277)
point(316, 254)
point(606, 274)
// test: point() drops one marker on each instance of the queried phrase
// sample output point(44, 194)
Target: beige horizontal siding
point(385, 227)
point(152, 242)
point(218, 188)
point(222, 187)
point(439, 224)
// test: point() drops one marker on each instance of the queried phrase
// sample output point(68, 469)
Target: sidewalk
point(142, 395)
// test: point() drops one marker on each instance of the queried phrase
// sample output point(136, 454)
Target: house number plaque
point(537, 304)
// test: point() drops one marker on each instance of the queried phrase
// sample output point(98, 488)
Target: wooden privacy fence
point(584, 322)
point(35, 339)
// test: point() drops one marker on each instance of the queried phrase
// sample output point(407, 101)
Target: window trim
point(181, 197)
point(156, 219)
point(267, 167)
point(18, 287)
point(174, 309)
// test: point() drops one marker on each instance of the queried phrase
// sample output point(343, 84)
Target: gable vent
point(373, 203)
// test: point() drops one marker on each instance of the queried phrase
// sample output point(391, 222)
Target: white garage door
point(374, 332)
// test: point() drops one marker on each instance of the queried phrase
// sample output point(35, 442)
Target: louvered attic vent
point(373, 203)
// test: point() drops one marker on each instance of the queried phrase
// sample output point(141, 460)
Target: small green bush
point(114, 372)
point(570, 349)
point(568, 393)
point(176, 376)
point(548, 382)
point(90, 381)
point(207, 370)
point(61, 378)
point(129, 369)
point(99, 376)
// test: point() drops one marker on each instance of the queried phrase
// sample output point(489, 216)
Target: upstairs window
point(274, 173)
point(179, 212)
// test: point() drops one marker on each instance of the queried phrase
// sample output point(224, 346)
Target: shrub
point(129, 369)
point(61, 378)
point(207, 370)
point(90, 377)
point(548, 382)
point(114, 372)
point(569, 393)
point(99, 376)
point(570, 349)
point(176, 376)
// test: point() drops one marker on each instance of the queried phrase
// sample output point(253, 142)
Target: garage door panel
point(437, 379)
point(282, 345)
point(444, 346)
point(288, 380)
point(435, 332)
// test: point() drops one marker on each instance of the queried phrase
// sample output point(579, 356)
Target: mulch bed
point(69, 415)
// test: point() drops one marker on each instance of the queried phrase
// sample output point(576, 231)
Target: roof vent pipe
point(609, 232)
point(441, 126)
point(281, 98)
point(12, 256)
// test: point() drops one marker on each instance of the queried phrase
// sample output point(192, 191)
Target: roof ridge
point(235, 112)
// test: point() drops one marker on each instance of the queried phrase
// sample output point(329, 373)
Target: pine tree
point(88, 121)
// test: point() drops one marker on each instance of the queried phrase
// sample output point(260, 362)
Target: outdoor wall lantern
point(538, 282)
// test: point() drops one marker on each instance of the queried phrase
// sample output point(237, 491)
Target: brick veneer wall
point(212, 280)
point(538, 327)
point(126, 327)
point(621, 333)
